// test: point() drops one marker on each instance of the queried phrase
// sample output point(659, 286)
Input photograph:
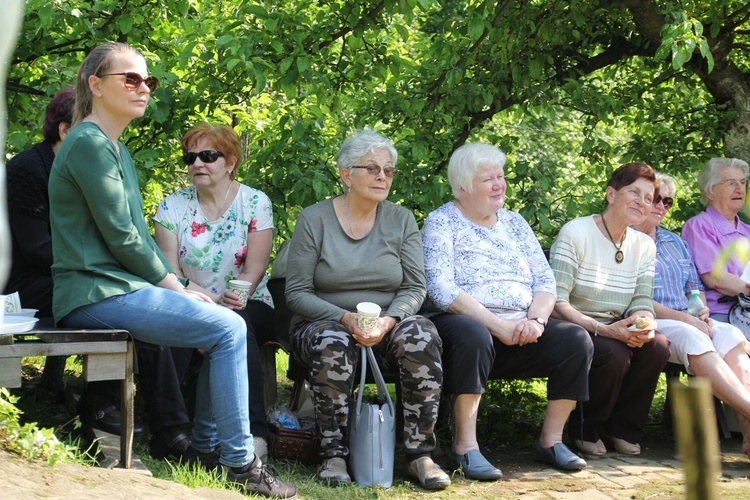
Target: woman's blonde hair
point(97, 62)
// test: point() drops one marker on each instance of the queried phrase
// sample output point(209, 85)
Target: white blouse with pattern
point(502, 267)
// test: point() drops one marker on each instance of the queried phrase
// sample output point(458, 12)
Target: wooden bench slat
point(80, 335)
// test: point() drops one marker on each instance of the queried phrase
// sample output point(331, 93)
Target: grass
point(511, 414)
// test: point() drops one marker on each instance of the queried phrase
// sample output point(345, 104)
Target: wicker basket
point(291, 444)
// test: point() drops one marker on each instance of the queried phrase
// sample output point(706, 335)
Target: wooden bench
point(107, 355)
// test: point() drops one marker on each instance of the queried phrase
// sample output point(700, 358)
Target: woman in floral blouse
point(208, 230)
point(486, 271)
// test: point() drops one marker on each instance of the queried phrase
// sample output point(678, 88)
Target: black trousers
point(622, 382)
point(161, 371)
point(259, 318)
point(471, 356)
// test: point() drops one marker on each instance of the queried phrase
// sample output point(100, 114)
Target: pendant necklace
point(618, 254)
point(205, 212)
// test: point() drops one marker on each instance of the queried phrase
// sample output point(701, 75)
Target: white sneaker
point(261, 448)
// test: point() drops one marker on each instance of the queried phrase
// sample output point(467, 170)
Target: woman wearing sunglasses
point(706, 348)
point(359, 247)
point(219, 230)
point(108, 271)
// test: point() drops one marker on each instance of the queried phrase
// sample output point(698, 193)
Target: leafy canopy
point(568, 89)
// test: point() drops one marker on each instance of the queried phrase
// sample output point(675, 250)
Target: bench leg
point(127, 404)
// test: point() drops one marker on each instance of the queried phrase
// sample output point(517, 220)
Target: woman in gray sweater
point(354, 248)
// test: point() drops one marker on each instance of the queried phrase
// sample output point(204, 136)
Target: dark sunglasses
point(206, 156)
point(133, 80)
point(667, 202)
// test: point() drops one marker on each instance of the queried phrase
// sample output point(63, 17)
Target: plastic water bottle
point(695, 304)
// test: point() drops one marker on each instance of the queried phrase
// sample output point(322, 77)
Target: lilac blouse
point(706, 234)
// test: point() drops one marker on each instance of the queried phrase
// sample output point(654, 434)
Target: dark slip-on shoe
point(559, 456)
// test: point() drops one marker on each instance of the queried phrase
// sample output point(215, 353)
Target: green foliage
point(680, 39)
point(569, 89)
point(28, 440)
point(512, 412)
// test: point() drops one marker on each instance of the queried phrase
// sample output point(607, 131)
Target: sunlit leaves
point(680, 38)
point(568, 89)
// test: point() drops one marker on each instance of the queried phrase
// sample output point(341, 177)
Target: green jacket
point(100, 241)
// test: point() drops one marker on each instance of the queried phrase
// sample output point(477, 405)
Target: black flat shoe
point(107, 419)
point(173, 446)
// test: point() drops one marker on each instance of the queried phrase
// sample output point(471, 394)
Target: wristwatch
point(541, 321)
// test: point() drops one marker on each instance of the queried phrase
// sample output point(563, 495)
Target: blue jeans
point(166, 318)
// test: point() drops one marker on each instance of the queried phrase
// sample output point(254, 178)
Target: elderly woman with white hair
point(359, 247)
point(707, 348)
point(488, 273)
point(723, 186)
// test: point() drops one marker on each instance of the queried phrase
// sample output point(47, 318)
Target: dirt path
point(20, 479)
point(655, 474)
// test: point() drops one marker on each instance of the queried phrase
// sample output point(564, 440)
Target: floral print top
point(502, 267)
point(213, 252)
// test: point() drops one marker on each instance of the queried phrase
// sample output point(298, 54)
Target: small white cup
point(367, 316)
point(241, 289)
point(4, 303)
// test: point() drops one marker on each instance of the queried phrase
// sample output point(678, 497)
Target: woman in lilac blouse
point(723, 186)
point(488, 274)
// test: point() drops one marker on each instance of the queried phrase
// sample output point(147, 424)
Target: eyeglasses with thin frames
point(734, 183)
point(374, 170)
point(666, 201)
point(133, 80)
point(206, 156)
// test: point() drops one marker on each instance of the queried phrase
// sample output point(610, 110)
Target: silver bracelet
point(596, 329)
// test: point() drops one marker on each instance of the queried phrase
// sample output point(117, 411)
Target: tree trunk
point(728, 85)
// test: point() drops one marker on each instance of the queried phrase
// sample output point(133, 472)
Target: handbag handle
point(365, 354)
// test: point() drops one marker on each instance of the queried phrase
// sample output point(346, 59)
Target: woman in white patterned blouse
point(486, 270)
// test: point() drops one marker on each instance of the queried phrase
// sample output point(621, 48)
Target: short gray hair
point(666, 181)
point(359, 144)
point(465, 162)
point(710, 175)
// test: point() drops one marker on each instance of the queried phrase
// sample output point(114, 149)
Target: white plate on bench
point(17, 324)
point(23, 312)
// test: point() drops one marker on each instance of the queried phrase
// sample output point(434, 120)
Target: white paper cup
point(4, 302)
point(241, 289)
point(367, 316)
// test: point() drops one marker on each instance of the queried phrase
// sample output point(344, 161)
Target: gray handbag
point(372, 431)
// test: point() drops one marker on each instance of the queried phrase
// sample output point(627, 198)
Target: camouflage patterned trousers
point(412, 349)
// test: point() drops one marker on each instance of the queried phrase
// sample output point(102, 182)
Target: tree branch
point(372, 16)
point(23, 89)
point(742, 16)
